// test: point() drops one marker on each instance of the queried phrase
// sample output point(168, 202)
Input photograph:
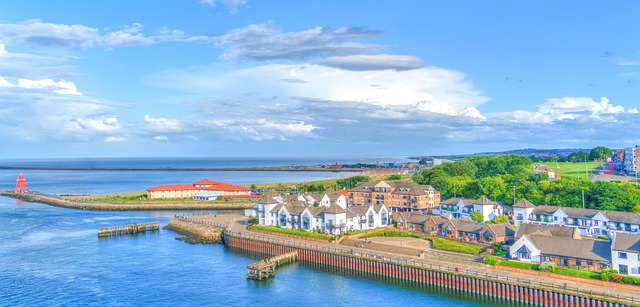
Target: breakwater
point(464, 281)
point(267, 268)
point(57, 201)
point(128, 229)
point(197, 230)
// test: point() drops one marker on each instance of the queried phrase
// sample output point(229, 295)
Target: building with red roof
point(205, 186)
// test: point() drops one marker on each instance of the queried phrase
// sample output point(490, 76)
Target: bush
point(491, 260)
point(630, 280)
point(547, 266)
point(253, 220)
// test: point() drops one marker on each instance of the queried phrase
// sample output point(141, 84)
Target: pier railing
point(128, 229)
point(559, 286)
point(194, 219)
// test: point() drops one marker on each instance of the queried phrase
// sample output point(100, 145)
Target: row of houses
point(329, 212)
point(590, 222)
point(202, 190)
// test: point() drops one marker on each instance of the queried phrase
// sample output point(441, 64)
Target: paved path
point(409, 249)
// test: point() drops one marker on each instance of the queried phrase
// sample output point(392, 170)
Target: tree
point(636, 209)
point(394, 177)
point(600, 153)
point(352, 181)
point(492, 186)
point(578, 156)
point(477, 216)
point(500, 219)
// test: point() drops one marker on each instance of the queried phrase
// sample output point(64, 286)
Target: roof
point(622, 217)
point(626, 242)
point(268, 200)
point(211, 186)
point(558, 231)
point(524, 204)
point(483, 201)
point(467, 225)
point(545, 210)
point(613, 216)
point(584, 249)
point(335, 209)
point(502, 230)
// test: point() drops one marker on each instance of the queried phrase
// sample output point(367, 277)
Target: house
point(545, 169)
point(397, 195)
point(625, 254)
point(497, 233)
point(460, 208)
point(433, 224)
point(521, 211)
point(196, 188)
point(567, 252)
point(551, 230)
point(462, 229)
point(413, 221)
point(305, 212)
point(590, 222)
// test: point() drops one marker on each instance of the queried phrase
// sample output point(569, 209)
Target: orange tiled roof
point(205, 182)
point(343, 192)
point(175, 187)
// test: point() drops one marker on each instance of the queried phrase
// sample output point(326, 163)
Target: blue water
point(51, 256)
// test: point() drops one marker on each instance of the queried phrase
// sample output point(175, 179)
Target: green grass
point(141, 198)
point(578, 273)
point(296, 232)
point(520, 265)
point(393, 233)
point(577, 169)
point(452, 246)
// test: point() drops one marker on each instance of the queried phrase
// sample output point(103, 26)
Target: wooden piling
point(128, 229)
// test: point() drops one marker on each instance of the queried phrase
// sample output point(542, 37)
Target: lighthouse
point(21, 185)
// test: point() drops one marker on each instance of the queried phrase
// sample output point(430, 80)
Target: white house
point(591, 222)
point(521, 211)
point(460, 208)
point(567, 252)
point(625, 254)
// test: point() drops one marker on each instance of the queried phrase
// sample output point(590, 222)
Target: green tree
point(394, 177)
point(500, 219)
point(579, 156)
point(600, 153)
point(477, 216)
point(352, 181)
point(492, 187)
point(636, 209)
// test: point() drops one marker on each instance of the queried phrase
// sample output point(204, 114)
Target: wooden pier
point(128, 229)
point(267, 268)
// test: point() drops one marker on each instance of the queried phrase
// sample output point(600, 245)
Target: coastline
point(230, 169)
point(121, 207)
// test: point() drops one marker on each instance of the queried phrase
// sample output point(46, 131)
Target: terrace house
point(397, 195)
point(625, 254)
point(460, 208)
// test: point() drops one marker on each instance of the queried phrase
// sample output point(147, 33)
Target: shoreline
point(121, 207)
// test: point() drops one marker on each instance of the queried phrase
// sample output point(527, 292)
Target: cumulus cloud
point(161, 124)
point(40, 33)
point(373, 62)
point(427, 89)
point(568, 108)
point(265, 42)
point(59, 87)
point(115, 139)
point(3, 50)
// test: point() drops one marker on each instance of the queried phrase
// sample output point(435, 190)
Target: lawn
point(520, 265)
point(571, 169)
point(296, 232)
point(453, 246)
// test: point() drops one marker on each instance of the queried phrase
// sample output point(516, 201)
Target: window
point(623, 269)
point(520, 217)
point(547, 258)
point(622, 255)
point(589, 262)
point(578, 262)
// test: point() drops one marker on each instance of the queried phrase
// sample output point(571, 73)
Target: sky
point(220, 78)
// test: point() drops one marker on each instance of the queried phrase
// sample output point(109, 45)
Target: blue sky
point(311, 78)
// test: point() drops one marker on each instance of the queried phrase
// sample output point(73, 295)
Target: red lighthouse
point(21, 185)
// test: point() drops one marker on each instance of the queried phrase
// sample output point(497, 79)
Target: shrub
point(547, 266)
point(253, 220)
point(630, 280)
point(491, 260)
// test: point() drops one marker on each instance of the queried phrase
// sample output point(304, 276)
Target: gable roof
point(626, 242)
point(502, 230)
point(558, 231)
point(584, 249)
point(467, 225)
point(524, 204)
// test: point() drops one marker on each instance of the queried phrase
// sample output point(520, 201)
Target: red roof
point(344, 192)
point(211, 186)
point(242, 196)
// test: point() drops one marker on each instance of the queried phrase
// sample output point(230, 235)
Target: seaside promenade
point(410, 250)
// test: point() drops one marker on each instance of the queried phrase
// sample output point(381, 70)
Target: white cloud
point(567, 108)
point(75, 36)
point(232, 5)
point(265, 42)
point(427, 89)
point(59, 87)
point(104, 125)
point(4, 82)
point(161, 124)
point(3, 50)
point(160, 138)
point(115, 139)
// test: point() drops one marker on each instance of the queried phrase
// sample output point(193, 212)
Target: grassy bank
point(295, 232)
point(453, 246)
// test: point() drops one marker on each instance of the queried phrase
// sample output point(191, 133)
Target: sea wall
point(58, 202)
point(513, 291)
point(196, 233)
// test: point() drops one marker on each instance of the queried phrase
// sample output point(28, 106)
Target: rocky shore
point(59, 202)
point(196, 233)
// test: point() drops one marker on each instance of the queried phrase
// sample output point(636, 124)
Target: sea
point(51, 256)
